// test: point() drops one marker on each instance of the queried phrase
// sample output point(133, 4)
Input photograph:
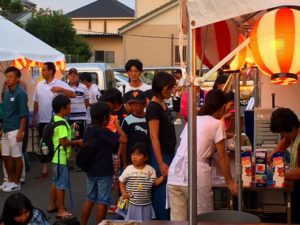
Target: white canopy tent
point(16, 43)
point(202, 13)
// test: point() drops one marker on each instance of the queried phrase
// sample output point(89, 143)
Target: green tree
point(57, 30)
point(16, 7)
point(11, 6)
point(5, 4)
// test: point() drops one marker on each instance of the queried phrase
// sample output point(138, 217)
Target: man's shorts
point(60, 176)
point(10, 146)
point(99, 189)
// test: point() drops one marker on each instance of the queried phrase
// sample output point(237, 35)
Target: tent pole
point(192, 142)
point(238, 138)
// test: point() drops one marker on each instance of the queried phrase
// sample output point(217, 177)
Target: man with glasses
point(44, 93)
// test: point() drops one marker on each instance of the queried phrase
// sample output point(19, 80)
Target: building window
point(105, 56)
point(177, 56)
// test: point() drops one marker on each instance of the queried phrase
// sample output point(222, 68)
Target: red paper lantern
point(20, 63)
point(60, 65)
point(239, 59)
point(275, 45)
point(221, 39)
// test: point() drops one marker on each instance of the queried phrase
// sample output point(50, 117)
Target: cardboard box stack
point(279, 173)
point(246, 169)
point(261, 168)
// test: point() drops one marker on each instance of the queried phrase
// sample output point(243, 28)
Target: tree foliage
point(57, 30)
point(11, 6)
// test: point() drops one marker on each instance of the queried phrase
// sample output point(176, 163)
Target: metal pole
point(192, 142)
point(238, 138)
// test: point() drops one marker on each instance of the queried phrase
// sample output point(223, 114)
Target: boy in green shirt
point(61, 136)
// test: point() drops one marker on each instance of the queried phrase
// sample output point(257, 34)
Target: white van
point(102, 74)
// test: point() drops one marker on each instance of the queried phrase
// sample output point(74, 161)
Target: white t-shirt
point(139, 184)
point(78, 108)
point(94, 95)
point(44, 96)
point(143, 87)
point(209, 132)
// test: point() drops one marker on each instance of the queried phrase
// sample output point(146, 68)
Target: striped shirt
point(78, 108)
point(139, 184)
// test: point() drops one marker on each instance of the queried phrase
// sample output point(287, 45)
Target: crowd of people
point(132, 134)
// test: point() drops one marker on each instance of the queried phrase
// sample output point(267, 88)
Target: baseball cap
point(136, 96)
point(72, 70)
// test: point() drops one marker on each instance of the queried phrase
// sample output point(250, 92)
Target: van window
point(110, 79)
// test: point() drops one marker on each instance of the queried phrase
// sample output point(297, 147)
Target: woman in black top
point(163, 138)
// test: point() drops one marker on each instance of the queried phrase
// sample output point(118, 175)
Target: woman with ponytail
point(210, 136)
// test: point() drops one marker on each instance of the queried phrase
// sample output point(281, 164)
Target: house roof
point(28, 3)
point(101, 9)
point(16, 16)
point(148, 16)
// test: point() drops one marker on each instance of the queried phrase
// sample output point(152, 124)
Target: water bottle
point(73, 131)
point(77, 131)
point(45, 150)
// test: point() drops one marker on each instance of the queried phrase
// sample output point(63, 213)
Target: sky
point(70, 5)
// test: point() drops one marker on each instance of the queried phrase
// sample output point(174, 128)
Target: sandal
point(55, 209)
point(65, 215)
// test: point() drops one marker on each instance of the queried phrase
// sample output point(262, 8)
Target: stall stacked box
point(279, 170)
point(261, 168)
point(246, 168)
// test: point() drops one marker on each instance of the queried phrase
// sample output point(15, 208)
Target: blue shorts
point(60, 179)
point(99, 189)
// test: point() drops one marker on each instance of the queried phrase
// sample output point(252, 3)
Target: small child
point(136, 183)
point(61, 105)
point(135, 125)
point(100, 172)
point(18, 210)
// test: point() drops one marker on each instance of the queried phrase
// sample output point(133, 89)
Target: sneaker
point(112, 209)
point(12, 187)
point(178, 121)
point(3, 185)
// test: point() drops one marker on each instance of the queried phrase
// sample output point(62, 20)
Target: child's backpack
point(86, 154)
point(46, 147)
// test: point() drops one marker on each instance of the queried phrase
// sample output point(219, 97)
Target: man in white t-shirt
point(44, 93)
point(94, 94)
point(134, 68)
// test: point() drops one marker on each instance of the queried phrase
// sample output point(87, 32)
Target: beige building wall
point(112, 43)
point(144, 6)
point(154, 41)
point(98, 25)
point(112, 26)
point(103, 43)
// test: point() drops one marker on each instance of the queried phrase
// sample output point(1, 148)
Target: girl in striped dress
point(136, 183)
